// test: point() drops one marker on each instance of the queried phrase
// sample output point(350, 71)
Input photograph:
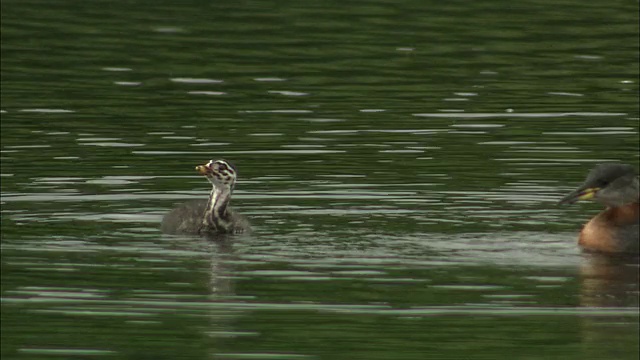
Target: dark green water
point(400, 163)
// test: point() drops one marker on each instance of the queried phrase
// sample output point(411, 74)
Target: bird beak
point(203, 169)
point(582, 193)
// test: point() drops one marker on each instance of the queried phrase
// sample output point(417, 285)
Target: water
point(400, 163)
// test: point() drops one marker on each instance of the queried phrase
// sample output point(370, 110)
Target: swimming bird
point(212, 216)
point(615, 230)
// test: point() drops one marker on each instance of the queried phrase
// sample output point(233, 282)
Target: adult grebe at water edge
point(212, 216)
point(616, 229)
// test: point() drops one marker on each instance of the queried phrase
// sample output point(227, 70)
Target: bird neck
point(216, 215)
point(623, 215)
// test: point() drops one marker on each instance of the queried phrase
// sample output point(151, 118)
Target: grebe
point(212, 216)
point(614, 230)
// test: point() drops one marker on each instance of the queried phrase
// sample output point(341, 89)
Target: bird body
point(212, 216)
point(615, 230)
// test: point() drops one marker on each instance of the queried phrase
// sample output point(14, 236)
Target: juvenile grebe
point(212, 216)
point(614, 230)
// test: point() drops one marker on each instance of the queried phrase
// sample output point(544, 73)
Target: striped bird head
point(220, 173)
